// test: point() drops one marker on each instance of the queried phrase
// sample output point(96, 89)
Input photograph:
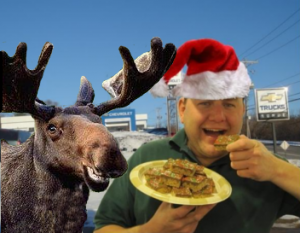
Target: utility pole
point(172, 104)
point(248, 117)
point(172, 113)
point(158, 118)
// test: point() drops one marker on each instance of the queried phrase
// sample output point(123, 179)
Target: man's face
point(205, 120)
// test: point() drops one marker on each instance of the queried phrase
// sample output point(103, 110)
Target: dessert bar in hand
point(223, 140)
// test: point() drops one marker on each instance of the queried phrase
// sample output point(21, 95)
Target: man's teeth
point(215, 130)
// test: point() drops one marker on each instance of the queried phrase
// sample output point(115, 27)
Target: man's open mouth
point(214, 132)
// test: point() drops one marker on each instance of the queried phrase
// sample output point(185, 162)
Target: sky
point(87, 34)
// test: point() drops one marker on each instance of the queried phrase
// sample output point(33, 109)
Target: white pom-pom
point(160, 89)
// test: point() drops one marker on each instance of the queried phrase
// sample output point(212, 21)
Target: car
point(158, 131)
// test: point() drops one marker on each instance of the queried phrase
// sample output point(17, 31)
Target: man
point(264, 187)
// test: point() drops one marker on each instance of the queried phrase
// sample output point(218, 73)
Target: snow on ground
point(133, 140)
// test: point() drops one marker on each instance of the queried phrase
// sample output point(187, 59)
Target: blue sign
point(123, 115)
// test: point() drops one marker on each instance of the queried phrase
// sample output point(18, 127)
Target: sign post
point(272, 105)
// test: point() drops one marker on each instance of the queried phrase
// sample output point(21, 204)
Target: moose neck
point(58, 195)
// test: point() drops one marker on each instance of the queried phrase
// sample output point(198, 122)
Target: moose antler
point(20, 85)
point(131, 83)
point(114, 84)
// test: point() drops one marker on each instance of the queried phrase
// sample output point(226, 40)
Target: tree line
point(288, 130)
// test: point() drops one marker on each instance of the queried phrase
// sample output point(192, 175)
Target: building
point(24, 123)
point(115, 120)
point(124, 120)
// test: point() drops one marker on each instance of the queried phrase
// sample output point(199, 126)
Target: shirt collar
point(179, 139)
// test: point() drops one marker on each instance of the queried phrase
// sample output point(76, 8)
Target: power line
point(284, 79)
point(294, 94)
point(273, 38)
point(288, 101)
point(293, 100)
point(287, 85)
point(293, 83)
point(278, 48)
point(270, 32)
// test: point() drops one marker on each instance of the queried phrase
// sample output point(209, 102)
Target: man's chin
point(213, 153)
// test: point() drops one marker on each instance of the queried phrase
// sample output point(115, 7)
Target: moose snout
point(101, 152)
point(107, 159)
point(114, 164)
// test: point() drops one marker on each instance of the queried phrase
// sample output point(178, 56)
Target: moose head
point(71, 141)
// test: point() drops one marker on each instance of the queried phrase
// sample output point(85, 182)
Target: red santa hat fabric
point(213, 72)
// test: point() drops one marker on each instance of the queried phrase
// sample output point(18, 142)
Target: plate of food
point(181, 182)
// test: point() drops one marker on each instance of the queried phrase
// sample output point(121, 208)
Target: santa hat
point(213, 72)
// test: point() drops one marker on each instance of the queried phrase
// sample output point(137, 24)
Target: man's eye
point(204, 104)
point(228, 105)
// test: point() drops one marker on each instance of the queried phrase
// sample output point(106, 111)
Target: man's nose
point(217, 114)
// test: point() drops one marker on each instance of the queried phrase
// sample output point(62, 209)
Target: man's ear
point(181, 108)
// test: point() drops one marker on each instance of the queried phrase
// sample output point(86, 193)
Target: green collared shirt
point(252, 207)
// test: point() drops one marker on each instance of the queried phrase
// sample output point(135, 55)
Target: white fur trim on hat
point(215, 86)
point(160, 89)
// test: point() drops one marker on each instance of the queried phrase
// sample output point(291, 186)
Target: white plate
point(139, 181)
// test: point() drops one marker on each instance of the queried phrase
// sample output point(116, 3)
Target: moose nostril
point(95, 145)
point(109, 161)
point(117, 169)
point(115, 174)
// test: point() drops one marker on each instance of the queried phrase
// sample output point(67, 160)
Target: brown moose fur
point(45, 182)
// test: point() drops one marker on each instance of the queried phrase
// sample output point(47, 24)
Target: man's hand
point(251, 159)
point(182, 219)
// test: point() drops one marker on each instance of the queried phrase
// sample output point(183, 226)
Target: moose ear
point(86, 93)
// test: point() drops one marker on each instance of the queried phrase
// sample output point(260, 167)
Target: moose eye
point(52, 128)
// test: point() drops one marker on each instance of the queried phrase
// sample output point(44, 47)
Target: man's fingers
point(201, 211)
point(176, 213)
point(186, 213)
point(181, 211)
point(246, 173)
point(242, 144)
point(239, 165)
point(164, 205)
point(196, 215)
point(239, 156)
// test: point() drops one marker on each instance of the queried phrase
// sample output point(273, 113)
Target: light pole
point(248, 117)
point(247, 63)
